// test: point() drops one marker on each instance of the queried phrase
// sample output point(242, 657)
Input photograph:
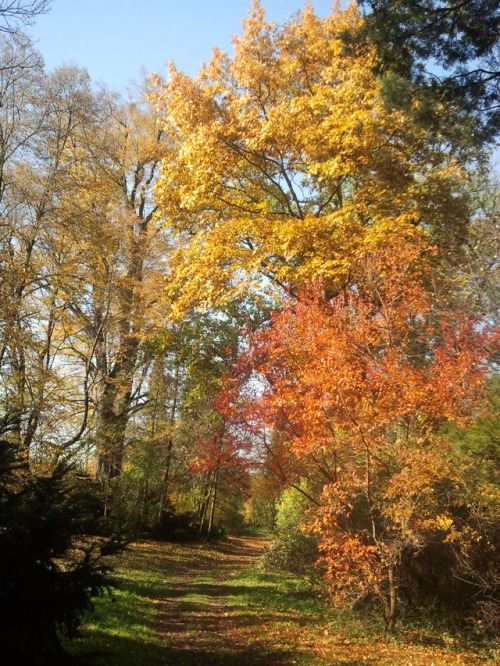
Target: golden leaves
point(288, 168)
point(288, 147)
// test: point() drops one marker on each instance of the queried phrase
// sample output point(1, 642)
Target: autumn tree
point(362, 385)
point(207, 348)
point(81, 260)
point(285, 162)
point(126, 282)
point(42, 116)
point(264, 496)
point(220, 457)
point(172, 463)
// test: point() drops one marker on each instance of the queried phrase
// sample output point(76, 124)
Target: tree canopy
point(263, 294)
point(451, 48)
point(285, 162)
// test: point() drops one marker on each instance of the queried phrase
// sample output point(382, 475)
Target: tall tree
point(285, 162)
point(42, 119)
point(449, 48)
point(81, 258)
point(126, 307)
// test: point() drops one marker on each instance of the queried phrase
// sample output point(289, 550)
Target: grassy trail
point(197, 616)
point(204, 605)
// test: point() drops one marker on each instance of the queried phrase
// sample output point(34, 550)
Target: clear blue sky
point(114, 39)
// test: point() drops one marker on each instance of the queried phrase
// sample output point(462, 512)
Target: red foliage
point(221, 449)
point(359, 386)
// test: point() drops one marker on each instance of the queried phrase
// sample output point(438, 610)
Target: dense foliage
point(49, 569)
point(267, 294)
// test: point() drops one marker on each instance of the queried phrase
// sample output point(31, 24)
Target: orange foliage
point(364, 382)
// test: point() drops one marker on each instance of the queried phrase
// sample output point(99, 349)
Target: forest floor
point(208, 604)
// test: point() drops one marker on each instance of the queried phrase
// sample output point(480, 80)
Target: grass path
point(194, 618)
point(204, 605)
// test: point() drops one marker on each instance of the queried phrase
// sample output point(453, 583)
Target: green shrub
point(291, 549)
point(49, 567)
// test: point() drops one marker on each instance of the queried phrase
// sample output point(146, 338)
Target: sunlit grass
point(121, 630)
point(292, 614)
point(261, 613)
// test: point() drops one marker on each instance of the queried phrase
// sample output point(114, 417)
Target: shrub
point(49, 567)
point(176, 527)
point(291, 549)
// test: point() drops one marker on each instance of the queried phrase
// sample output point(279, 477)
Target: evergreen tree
point(49, 567)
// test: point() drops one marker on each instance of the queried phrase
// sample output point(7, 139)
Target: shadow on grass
point(122, 651)
point(131, 625)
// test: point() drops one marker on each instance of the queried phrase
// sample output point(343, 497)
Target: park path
point(196, 618)
point(212, 606)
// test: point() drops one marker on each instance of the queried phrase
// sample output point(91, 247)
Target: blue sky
point(114, 39)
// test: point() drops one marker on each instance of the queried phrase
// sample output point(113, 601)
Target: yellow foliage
point(285, 162)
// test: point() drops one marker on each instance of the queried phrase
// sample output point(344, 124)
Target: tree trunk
point(391, 610)
point(214, 500)
point(205, 503)
point(170, 444)
point(110, 437)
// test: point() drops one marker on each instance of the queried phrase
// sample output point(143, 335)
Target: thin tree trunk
point(206, 503)
point(214, 500)
point(391, 609)
point(170, 445)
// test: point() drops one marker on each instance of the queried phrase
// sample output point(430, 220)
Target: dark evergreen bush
point(49, 566)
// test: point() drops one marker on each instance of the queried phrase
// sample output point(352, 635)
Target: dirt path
point(206, 604)
point(195, 618)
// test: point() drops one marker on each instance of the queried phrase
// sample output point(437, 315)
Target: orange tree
point(364, 383)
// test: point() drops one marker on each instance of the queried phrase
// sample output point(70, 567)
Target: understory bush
point(177, 527)
point(291, 549)
point(50, 566)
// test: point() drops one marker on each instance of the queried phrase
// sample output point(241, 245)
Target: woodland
point(265, 298)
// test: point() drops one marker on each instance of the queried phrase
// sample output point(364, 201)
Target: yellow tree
point(42, 118)
point(80, 258)
point(286, 162)
point(119, 257)
point(133, 307)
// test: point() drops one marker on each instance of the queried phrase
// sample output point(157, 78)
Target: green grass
point(120, 631)
point(297, 612)
point(250, 617)
point(293, 604)
point(123, 629)
point(275, 591)
point(298, 597)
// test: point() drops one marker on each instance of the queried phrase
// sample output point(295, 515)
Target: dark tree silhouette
point(449, 47)
point(49, 567)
